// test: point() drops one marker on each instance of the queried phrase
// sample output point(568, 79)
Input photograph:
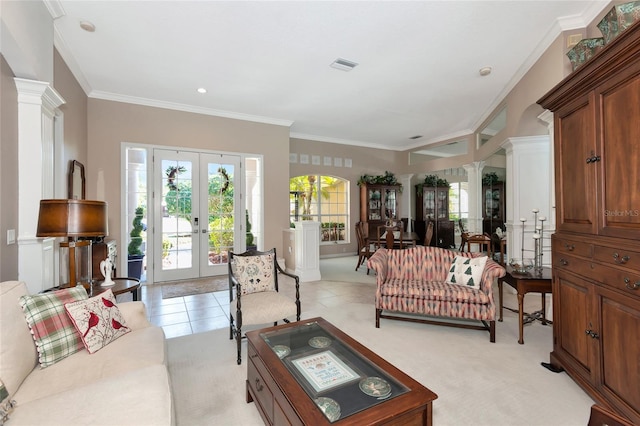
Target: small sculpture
point(106, 268)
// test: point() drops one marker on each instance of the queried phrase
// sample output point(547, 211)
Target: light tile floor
point(181, 316)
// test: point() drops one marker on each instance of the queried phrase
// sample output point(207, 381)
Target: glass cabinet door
point(375, 204)
point(391, 204)
point(443, 204)
point(429, 203)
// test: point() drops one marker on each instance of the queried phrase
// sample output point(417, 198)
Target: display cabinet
point(432, 203)
point(378, 204)
point(595, 251)
point(493, 207)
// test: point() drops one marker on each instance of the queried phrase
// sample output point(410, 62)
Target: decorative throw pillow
point(6, 404)
point(52, 330)
point(98, 320)
point(255, 273)
point(466, 271)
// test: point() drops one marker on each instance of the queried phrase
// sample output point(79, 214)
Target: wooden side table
point(121, 286)
point(527, 283)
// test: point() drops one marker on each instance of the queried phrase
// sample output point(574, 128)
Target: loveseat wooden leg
point(378, 312)
point(492, 331)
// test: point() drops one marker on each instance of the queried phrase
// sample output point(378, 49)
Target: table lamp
point(73, 219)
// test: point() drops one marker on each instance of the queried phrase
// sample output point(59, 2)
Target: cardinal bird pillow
point(98, 320)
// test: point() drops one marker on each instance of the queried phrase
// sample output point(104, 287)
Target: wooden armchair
point(253, 291)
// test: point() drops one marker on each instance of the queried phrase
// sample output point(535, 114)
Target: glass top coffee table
point(310, 372)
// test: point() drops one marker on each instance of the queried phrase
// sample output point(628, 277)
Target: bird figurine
point(106, 268)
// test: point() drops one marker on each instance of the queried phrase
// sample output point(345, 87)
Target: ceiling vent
point(343, 64)
point(416, 137)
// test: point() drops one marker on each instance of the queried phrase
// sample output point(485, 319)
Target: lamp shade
point(72, 218)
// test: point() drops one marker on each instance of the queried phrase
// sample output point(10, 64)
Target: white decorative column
point(407, 203)
point(37, 108)
point(528, 187)
point(547, 118)
point(474, 179)
point(307, 247)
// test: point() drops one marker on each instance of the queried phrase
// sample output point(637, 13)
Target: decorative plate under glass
point(375, 386)
point(281, 350)
point(329, 407)
point(319, 342)
point(618, 19)
point(584, 50)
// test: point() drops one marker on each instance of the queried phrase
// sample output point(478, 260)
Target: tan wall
point(75, 112)
point(8, 171)
point(112, 123)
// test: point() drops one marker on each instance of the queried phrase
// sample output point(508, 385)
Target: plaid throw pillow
point(255, 273)
point(466, 271)
point(55, 336)
point(98, 320)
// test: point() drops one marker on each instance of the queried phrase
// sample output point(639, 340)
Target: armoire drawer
point(617, 278)
point(620, 257)
point(577, 265)
point(576, 248)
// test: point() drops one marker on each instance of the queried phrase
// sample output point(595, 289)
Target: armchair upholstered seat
point(254, 292)
point(414, 281)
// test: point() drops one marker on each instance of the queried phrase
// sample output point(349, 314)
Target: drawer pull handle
point(569, 247)
point(259, 386)
point(592, 334)
point(563, 262)
point(634, 286)
point(620, 260)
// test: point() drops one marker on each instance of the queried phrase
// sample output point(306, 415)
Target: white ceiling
point(268, 61)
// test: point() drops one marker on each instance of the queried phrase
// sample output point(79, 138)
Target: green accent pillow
point(466, 271)
point(52, 330)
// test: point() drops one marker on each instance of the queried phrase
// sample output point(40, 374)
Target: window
point(323, 199)
point(459, 204)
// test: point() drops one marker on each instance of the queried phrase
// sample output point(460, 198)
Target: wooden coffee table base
point(281, 400)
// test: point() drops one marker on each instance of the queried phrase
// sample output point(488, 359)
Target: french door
point(196, 202)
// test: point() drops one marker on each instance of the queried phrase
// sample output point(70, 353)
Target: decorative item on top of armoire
point(595, 251)
point(619, 18)
point(136, 255)
point(432, 204)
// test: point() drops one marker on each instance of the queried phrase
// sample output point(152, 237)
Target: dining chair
point(428, 235)
point(254, 293)
point(364, 246)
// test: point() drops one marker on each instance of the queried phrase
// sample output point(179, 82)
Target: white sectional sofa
point(124, 383)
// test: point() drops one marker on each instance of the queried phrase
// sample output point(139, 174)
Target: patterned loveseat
point(413, 281)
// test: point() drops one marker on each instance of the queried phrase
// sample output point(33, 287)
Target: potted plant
point(250, 238)
point(135, 253)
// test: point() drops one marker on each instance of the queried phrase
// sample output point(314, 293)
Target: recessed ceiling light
point(202, 90)
point(485, 71)
point(343, 64)
point(87, 26)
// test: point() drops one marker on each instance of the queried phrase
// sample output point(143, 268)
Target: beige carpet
point(477, 382)
point(182, 288)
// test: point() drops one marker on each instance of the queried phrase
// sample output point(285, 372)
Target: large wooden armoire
point(596, 248)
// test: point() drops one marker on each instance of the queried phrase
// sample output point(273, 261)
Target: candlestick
point(535, 210)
